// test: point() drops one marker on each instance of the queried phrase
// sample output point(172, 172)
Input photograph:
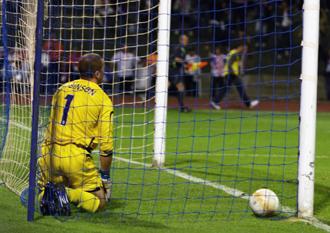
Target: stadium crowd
point(224, 27)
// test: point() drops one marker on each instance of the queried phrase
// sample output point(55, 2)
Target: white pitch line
point(317, 223)
point(249, 155)
point(242, 155)
point(19, 125)
point(233, 192)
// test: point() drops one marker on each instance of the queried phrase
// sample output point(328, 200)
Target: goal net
point(17, 59)
point(234, 64)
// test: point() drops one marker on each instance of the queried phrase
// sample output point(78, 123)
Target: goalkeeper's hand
point(107, 184)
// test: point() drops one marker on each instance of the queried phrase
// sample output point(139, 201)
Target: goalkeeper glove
point(107, 184)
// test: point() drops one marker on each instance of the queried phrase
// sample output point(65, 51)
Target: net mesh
point(214, 158)
point(17, 73)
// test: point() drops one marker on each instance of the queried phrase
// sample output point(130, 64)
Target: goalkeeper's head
point(91, 67)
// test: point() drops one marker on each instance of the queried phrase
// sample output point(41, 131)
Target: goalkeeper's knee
point(85, 200)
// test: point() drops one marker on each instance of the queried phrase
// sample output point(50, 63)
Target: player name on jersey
point(80, 87)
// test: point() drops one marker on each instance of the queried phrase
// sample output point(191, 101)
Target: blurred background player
point(125, 63)
point(177, 74)
point(217, 77)
point(52, 48)
point(81, 119)
point(143, 80)
point(232, 72)
point(193, 71)
point(152, 65)
point(327, 75)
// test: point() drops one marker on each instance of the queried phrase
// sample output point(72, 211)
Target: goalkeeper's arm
point(106, 129)
point(105, 164)
point(106, 144)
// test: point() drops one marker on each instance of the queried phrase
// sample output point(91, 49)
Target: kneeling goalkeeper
point(80, 120)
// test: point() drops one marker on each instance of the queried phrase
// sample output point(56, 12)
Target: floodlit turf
point(243, 150)
point(13, 219)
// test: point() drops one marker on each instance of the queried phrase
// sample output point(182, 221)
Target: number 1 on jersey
point(69, 99)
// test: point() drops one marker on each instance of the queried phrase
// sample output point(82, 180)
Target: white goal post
point(309, 76)
point(164, 26)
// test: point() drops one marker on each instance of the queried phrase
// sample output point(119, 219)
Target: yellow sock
point(85, 200)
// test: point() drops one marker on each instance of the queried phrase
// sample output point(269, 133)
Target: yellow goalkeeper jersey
point(81, 114)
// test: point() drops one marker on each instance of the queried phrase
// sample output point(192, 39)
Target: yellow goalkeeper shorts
point(70, 165)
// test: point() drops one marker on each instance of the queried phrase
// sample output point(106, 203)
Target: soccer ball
point(264, 203)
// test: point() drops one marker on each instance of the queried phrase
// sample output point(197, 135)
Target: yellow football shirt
point(232, 65)
point(81, 114)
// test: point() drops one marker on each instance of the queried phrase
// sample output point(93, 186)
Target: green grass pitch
point(243, 150)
